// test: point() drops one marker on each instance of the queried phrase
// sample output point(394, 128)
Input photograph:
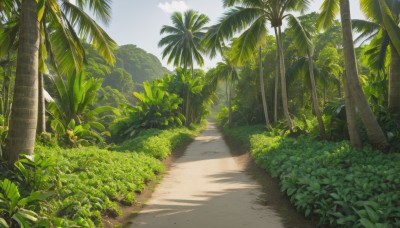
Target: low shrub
point(343, 186)
point(93, 181)
point(89, 183)
point(159, 143)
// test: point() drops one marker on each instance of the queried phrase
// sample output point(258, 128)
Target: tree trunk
point(276, 89)
point(339, 87)
point(278, 35)
point(315, 97)
point(229, 97)
point(351, 118)
point(264, 99)
point(6, 92)
point(41, 128)
point(21, 136)
point(187, 123)
point(187, 103)
point(394, 82)
point(374, 131)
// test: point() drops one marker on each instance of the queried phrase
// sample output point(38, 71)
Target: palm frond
point(233, 21)
point(90, 30)
point(100, 8)
point(390, 24)
point(371, 11)
point(244, 46)
point(301, 37)
point(329, 10)
point(366, 28)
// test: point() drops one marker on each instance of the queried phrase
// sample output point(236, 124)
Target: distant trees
point(227, 72)
point(182, 43)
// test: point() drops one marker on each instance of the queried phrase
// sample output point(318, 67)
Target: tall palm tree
point(22, 131)
point(255, 15)
point(226, 71)
point(60, 18)
point(329, 10)
point(303, 40)
point(182, 43)
point(375, 28)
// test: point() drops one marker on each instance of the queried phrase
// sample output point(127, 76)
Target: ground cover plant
point(343, 186)
point(87, 184)
point(159, 143)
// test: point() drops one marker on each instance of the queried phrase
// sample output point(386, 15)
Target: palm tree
point(375, 28)
point(329, 9)
point(304, 44)
point(182, 44)
point(254, 15)
point(21, 136)
point(226, 71)
point(60, 18)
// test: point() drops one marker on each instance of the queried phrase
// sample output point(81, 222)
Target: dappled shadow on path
point(207, 187)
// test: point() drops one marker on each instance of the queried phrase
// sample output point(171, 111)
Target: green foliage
point(133, 67)
point(156, 109)
point(141, 65)
point(73, 113)
point(197, 90)
point(91, 182)
point(343, 186)
point(36, 174)
point(183, 50)
point(16, 210)
point(158, 143)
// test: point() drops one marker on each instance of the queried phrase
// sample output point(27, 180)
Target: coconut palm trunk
point(229, 97)
point(351, 118)
point(394, 82)
point(278, 36)
point(374, 131)
point(23, 123)
point(41, 128)
point(315, 97)
point(276, 90)
point(6, 92)
point(264, 99)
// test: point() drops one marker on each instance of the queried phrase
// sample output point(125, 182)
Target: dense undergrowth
point(87, 184)
point(341, 185)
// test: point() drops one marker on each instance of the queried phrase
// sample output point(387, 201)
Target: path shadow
point(272, 194)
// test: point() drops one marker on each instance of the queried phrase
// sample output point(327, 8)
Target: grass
point(341, 185)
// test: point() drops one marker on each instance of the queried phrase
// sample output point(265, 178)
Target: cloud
point(173, 6)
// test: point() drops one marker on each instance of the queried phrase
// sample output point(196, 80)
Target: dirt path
point(208, 187)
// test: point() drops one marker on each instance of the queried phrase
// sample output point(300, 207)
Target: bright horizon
point(140, 23)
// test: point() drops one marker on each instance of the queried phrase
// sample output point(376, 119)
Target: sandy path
point(207, 187)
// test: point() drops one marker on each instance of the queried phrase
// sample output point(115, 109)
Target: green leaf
point(372, 214)
point(3, 223)
point(10, 192)
point(40, 7)
point(390, 24)
point(366, 223)
point(71, 124)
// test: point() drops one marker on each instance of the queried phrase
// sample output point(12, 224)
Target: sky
point(139, 22)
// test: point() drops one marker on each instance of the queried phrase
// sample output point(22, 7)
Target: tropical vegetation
point(82, 118)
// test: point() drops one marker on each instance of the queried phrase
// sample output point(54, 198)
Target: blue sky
point(139, 22)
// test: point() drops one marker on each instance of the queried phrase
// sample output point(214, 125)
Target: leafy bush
point(93, 181)
point(15, 209)
point(158, 143)
point(156, 109)
point(344, 186)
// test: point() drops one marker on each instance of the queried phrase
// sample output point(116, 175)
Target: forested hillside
point(133, 66)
